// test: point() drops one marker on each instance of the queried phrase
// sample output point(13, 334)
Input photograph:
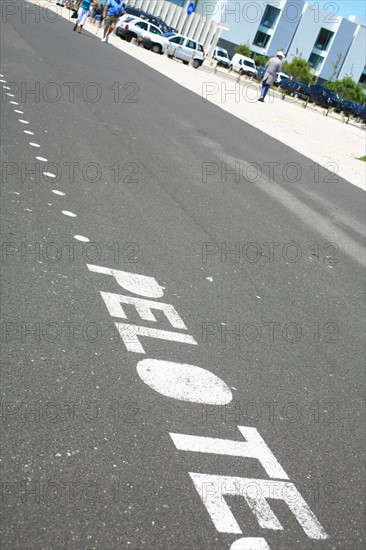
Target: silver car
point(185, 49)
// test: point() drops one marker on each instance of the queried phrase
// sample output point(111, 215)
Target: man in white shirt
point(274, 66)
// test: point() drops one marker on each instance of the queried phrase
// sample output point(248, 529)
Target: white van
point(221, 56)
point(243, 65)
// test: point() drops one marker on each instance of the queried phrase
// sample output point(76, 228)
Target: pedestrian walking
point(83, 7)
point(112, 11)
point(273, 66)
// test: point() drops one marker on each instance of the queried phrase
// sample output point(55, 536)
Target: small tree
point(348, 89)
point(243, 49)
point(298, 69)
point(260, 60)
point(335, 66)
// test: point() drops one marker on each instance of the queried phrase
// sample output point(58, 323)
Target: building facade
point(204, 24)
point(333, 45)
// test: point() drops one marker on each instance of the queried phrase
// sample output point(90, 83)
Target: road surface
point(231, 273)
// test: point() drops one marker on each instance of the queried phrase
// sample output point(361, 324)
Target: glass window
point(191, 44)
point(261, 39)
point(323, 40)
point(270, 17)
point(315, 61)
point(142, 25)
point(177, 40)
point(155, 30)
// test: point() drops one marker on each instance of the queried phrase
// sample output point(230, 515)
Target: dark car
point(297, 89)
point(362, 115)
point(134, 11)
point(350, 108)
point(157, 21)
point(323, 96)
point(260, 73)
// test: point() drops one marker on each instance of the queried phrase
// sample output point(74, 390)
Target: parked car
point(221, 56)
point(157, 21)
point(243, 65)
point(350, 108)
point(125, 19)
point(157, 44)
point(281, 77)
point(362, 115)
point(134, 28)
point(260, 73)
point(185, 49)
point(175, 45)
point(323, 96)
point(295, 88)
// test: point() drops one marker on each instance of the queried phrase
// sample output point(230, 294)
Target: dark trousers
point(265, 88)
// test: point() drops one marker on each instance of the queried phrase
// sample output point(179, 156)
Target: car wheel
point(157, 48)
point(129, 36)
point(185, 62)
point(196, 64)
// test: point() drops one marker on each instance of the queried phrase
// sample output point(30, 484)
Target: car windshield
point(248, 63)
point(222, 53)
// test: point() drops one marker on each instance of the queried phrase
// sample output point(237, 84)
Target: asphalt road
point(88, 461)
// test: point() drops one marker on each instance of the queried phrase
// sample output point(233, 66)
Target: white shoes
point(104, 39)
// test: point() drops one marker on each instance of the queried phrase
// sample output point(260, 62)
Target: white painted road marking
point(137, 284)
point(253, 447)
point(58, 192)
point(250, 543)
point(129, 334)
point(82, 239)
point(184, 382)
point(34, 144)
point(42, 159)
point(143, 308)
point(191, 383)
point(67, 213)
point(23, 121)
point(223, 518)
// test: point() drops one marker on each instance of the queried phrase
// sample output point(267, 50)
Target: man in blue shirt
point(83, 7)
point(112, 11)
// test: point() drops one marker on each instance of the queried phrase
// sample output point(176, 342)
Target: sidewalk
point(325, 140)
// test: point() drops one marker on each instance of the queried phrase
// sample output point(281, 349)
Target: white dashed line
point(6, 87)
point(82, 239)
point(14, 103)
point(20, 112)
point(34, 144)
point(3, 80)
point(28, 132)
point(23, 121)
point(42, 159)
point(10, 95)
point(58, 192)
point(67, 213)
point(49, 174)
